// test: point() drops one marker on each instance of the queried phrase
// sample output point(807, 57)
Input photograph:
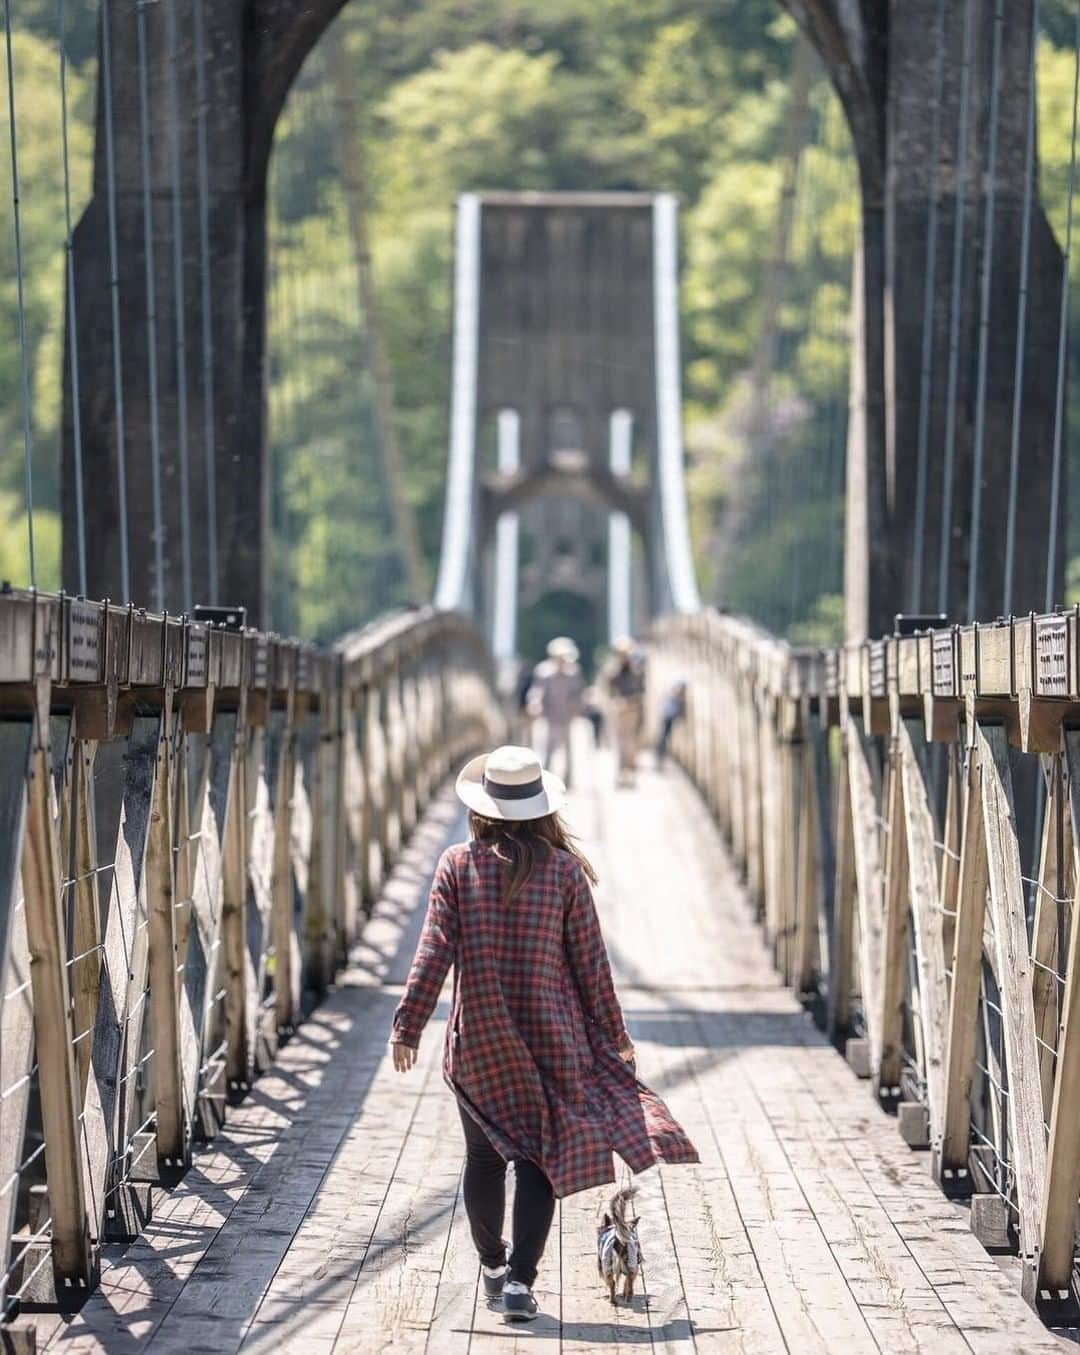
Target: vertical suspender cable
point(151, 310)
point(926, 359)
point(984, 314)
point(24, 362)
point(178, 306)
point(1021, 318)
point(114, 292)
point(954, 316)
point(73, 339)
point(209, 429)
point(1063, 345)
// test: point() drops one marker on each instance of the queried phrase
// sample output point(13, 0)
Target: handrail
point(879, 798)
point(248, 793)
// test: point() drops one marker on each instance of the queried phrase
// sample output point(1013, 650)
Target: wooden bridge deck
point(328, 1214)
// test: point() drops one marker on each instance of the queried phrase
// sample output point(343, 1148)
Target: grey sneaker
point(494, 1279)
point(518, 1302)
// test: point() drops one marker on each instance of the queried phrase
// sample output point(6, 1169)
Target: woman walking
point(536, 1050)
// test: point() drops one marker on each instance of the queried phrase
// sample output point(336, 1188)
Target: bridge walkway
point(327, 1216)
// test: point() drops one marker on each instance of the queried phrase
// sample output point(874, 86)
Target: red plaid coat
point(531, 1045)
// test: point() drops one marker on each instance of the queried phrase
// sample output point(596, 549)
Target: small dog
point(618, 1247)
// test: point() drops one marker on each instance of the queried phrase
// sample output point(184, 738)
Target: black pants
point(485, 1204)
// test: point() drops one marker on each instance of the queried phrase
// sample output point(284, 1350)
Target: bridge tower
point(565, 504)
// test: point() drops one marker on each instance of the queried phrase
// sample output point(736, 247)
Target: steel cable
point(1021, 319)
point(1063, 343)
point(209, 429)
point(24, 361)
point(926, 359)
point(114, 294)
point(984, 314)
point(151, 309)
point(73, 337)
point(954, 309)
point(178, 306)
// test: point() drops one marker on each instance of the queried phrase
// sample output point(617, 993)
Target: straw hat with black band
point(510, 784)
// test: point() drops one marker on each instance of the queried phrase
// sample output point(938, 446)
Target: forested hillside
point(407, 103)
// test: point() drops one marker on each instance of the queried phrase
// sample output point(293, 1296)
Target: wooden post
point(841, 939)
point(239, 1037)
point(73, 1260)
point(1013, 972)
point(1054, 885)
point(86, 916)
point(870, 880)
point(286, 960)
point(17, 739)
point(341, 903)
point(807, 893)
point(366, 834)
point(949, 874)
point(927, 918)
point(894, 957)
point(950, 1159)
point(173, 1134)
point(388, 821)
point(1062, 1180)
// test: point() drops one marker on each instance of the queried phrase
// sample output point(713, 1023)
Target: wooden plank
point(173, 1138)
point(85, 909)
point(841, 938)
point(58, 1083)
point(1061, 1185)
point(458, 1291)
point(950, 1160)
point(1013, 972)
point(894, 955)
point(870, 880)
point(927, 920)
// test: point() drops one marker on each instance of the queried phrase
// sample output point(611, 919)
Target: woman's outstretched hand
point(404, 1057)
point(626, 1052)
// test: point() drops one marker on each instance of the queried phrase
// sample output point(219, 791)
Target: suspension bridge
point(842, 924)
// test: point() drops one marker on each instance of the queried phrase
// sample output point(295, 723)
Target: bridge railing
point(193, 823)
point(872, 796)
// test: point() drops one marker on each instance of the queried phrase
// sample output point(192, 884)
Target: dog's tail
point(619, 1202)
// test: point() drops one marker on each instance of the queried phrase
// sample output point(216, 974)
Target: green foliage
point(35, 60)
point(507, 93)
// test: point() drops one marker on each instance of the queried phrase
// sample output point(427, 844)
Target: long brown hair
point(518, 844)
